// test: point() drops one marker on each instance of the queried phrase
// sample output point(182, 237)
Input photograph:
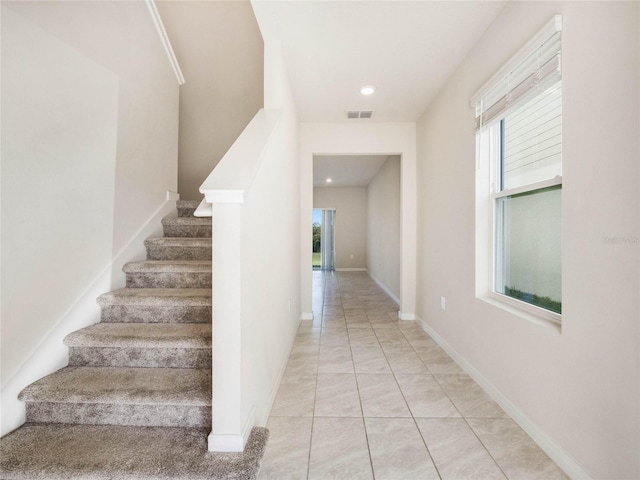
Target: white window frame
point(494, 195)
point(488, 158)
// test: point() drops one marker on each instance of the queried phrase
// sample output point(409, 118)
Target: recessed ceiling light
point(329, 180)
point(368, 90)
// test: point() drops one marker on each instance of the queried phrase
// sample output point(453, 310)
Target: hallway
point(366, 396)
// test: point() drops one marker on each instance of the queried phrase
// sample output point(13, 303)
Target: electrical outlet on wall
point(443, 303)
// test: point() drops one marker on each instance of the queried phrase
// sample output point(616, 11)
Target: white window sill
point(525, 311)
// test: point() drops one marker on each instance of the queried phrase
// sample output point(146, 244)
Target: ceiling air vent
point(359, 113)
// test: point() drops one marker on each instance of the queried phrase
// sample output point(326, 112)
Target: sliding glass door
point(324, 239)
point(328, 249)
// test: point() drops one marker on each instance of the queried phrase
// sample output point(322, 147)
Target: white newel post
point(227, 424)
point(225, 190)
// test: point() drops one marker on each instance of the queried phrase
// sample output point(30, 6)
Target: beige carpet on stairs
point(135, 400)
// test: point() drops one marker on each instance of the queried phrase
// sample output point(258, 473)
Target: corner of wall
point(550, 447)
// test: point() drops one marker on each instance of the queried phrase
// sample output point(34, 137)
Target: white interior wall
point(361, 138)
point(89, 151)
point(220, 50)
point(578, 388)
point(48, 165)
point(383, 226)
point(350, 204)
point(270, 270)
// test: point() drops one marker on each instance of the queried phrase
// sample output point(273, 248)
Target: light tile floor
point(367, 396)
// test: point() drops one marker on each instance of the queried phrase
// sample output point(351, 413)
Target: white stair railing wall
point(253, 197)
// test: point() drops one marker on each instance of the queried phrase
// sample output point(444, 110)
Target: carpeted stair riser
point(185, 416)
point(169, 280)
point(178, 248)
point(168, 274)
point(156, 305)
point(140, 357)
point(186, 227)
point(162, 397)
point(187, 207)
point(150, 314)
point(173, 253)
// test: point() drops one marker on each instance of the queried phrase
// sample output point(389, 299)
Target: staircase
point(135, 399)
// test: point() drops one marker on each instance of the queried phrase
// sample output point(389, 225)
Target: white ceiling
point(346, 170)
point(406, 49)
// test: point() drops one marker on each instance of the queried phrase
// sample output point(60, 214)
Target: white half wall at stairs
point(256, 311)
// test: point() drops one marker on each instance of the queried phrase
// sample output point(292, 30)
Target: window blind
point(536, 67)
point(532, 140)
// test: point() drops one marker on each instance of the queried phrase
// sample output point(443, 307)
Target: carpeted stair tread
point(96, 452)
point(142, 335)
point(168, 266)
point(157, 297)
point(123, 386)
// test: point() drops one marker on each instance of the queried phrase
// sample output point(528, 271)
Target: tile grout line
point(435, 377)
point(415, 422)
point(355, 376)
point(485, 447)
point(364, 423)
point(462, 416)
point(315, 391)
point(375, 333)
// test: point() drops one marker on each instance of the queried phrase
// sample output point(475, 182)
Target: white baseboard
point(248, 424)
point(307, 316)
point(406, 316)
point(217, 442)
point(350, 269)
point(220, 442)
point(172, 196)
point(51, 354)
point(385, 288)
point(546, 443)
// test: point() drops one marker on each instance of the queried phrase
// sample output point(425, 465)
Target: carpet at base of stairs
point(101, 452)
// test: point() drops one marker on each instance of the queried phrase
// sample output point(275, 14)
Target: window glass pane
point(528, 241)
point(532, 140)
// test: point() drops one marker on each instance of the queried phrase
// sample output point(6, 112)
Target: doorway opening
point(324, 256)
